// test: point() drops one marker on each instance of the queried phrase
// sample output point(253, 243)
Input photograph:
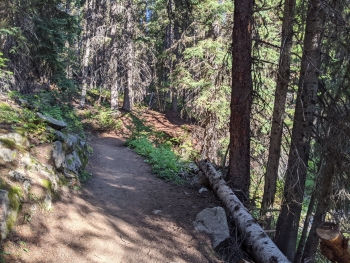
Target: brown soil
point(123, 214)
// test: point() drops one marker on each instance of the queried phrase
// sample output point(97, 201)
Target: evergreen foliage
point(37, 38)
point(175, 55)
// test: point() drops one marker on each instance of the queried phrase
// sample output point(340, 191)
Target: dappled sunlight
point(112, 218)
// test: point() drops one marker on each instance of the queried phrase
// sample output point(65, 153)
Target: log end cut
point(328, 231)
point(334, 246)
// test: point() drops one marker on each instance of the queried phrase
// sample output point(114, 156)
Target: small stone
point(26, 186)
point(69, 174)
point(48, 202)
point(203, 189)
point(156, 212)
point(193, 168)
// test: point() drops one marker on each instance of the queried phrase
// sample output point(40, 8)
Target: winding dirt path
point(123, 214)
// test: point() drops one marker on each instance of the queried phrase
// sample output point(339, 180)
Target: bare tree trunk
point(241, 99)
point(112, 65)
point(283, 77)
point(261, 246)
point(174, 101)
point(114, 96)
point(86, 57)
point(288, 220)
point(172, 35)
point(304, 233)
point(328, 172)
point(321, 208)
point(128, 92)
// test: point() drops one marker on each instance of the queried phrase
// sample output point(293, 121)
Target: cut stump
point(333, 244)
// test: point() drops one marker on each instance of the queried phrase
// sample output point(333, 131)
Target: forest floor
point(124, 213)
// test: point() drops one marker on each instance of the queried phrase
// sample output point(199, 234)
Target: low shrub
point(164, 162)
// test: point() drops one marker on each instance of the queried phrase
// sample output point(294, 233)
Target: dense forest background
point(265, 82)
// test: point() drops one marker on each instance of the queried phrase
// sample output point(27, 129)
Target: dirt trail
point(116, 217)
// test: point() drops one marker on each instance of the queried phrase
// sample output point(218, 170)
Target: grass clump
point(8, 114)
point(101, 118)
point(163, 161)
point(106, 120)
point(47, 184)
point(14, 195)
point(84, 176)
point(51, 103)
point(9, 143)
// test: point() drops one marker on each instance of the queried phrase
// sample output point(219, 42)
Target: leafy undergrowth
point(101, 118)
point(26, 121)
point(167, 155)
point(164, 162)
point(157, 148)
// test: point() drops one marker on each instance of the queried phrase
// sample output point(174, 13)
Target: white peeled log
point(258, 243)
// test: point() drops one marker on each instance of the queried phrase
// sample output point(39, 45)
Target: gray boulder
point(17, 138)
point(21, 177)
point(6, 154)
point(56, 124)
point(69, 140)
point(51, 176)
point(73, 162)
point(4, 211)
point(58, 154)
point(27, 161)
point(213, 221)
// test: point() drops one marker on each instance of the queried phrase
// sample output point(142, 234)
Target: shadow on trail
point(125, 214)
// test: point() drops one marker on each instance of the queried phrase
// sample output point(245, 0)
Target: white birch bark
point(259, 244)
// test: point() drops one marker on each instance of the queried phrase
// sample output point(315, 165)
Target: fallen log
point(259, 244)
point(333, 244)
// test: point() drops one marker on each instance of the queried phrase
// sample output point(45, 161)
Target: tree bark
point(307, 222)
point(114, 96)
point(288, 220)
point(321, 208)
point(328, 171)
point(255, 239)
point(334, 245)
point(283, 77)
point(113, 56)
point(89, 5)
point(241, 99)
point(128, 91)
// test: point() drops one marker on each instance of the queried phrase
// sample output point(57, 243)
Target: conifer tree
point(283, 77)
point(241, 99)
point(288, 220)
point(36, 35)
